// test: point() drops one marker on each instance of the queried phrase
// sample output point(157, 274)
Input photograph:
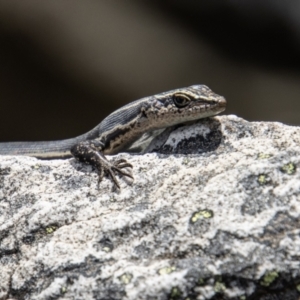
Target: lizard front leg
point(91, 152)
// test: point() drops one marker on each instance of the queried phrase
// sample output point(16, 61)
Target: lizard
point(130, 128)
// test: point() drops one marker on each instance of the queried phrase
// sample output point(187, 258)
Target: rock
point(219, 219)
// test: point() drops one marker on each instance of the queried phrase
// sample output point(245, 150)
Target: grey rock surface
point(219, 219)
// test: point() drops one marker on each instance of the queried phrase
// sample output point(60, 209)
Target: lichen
point(289, 169)
point(269, 278)
point(50, 229)
point(166, 270)
point(263, 156)
point(204, 214)
point(175, 293)
point(219, 287)
point(263, 179)
point(125, 278)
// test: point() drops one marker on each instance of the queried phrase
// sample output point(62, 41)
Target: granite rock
point(213, 214)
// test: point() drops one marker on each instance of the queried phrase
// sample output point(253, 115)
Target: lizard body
point(130, 128)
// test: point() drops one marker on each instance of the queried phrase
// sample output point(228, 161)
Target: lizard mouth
point(217, 104)
point(222, 102)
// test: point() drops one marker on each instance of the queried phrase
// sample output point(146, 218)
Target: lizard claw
point(90, 152)
point(116, 167)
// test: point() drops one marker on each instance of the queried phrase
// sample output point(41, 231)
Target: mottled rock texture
point(217, 219)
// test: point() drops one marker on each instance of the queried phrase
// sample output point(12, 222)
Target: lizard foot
point(112, 168)
point(87, 152)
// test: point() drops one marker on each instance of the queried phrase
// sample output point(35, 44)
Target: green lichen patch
point(106, 245)
point(298, 287)
point(201, 214)
point(219, 287)
point(264, 156)
point(268, 278)
point(185, 161)
point(263, 179)
point(175, 293)
point(201, 281)
point(125, 278)
point(166, 270)
point(289, 169)
point(50, 229)
point(106, 249)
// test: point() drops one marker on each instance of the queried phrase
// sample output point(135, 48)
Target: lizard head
point(183, 105)
point(135, 124)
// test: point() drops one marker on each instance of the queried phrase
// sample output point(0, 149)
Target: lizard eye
point(181, 100)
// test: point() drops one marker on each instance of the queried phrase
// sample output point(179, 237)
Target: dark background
point(65, 65)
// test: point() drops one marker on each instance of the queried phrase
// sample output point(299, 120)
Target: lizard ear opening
point(181, 100)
